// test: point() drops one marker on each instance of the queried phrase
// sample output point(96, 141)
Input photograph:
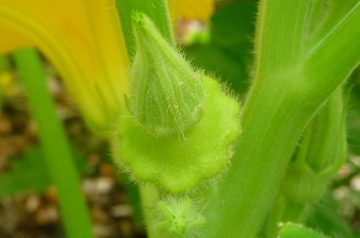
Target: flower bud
point(167, 99)
point(178, 166)
point(321, 152)
point(178, 216)
point(166, 95)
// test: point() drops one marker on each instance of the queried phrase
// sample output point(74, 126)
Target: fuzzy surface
point(178, 164)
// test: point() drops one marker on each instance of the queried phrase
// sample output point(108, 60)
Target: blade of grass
point(57, 152)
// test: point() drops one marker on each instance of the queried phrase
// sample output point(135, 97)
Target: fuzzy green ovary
point(176, 164)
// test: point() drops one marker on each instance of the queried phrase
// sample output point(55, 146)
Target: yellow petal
point(83, 39)
point(191, 9)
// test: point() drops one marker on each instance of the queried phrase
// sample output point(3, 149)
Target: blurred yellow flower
point(191, 9)
point(83, 40)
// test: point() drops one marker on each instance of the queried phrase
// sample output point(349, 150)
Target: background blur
point(222, 45)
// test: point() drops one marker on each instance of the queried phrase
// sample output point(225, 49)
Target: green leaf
point(353, 115)
point(27, 173)
point(228, 54)
point(329, 13)
point(324, 217)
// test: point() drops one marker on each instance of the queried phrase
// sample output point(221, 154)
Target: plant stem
point(285, 95)
point(157, 10)
point(338, 50)
point(149, 197)
point(57, 152)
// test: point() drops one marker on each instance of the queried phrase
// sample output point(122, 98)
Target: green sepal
point(304, 186)
point(180, 164)
point(291, 230)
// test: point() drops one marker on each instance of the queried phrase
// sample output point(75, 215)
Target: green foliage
point(26, 173)
point(229, 52)
point(324, 217)
point(353, 114)
point(29, 173)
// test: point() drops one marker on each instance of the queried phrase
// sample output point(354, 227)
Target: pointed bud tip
point(166, 95)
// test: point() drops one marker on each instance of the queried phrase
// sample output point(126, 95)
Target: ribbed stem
point(277, 110)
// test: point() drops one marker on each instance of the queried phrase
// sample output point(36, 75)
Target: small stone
point(32, 203)
point(5, 125)
point(47, 215)
point(104, 185)
point(355, 183)
point(121, 210)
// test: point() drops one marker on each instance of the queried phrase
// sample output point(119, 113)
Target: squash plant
point(208, 163)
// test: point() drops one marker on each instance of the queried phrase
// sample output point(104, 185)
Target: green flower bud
point(320, 154)
point(179, 166)
point(167, 98)
point(166, 95)
point(178, 217)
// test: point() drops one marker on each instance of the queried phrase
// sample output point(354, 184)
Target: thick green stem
point(336, 54)
point(149, 197)
point(57, 152)
point(156, 10)
point(277, 110)
point(319, 155)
